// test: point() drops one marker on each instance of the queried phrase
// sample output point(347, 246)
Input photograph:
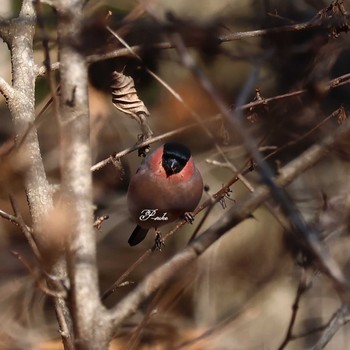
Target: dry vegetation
point(258, 90)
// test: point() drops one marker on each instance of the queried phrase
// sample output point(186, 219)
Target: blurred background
point(240, 293)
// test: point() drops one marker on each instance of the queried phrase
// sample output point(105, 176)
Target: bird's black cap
point(175, 157)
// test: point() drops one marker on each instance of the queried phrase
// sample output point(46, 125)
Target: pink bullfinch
point(166, 186)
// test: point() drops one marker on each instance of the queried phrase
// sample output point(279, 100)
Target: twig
point(322, 328)
point(331, 84)
point(47, 60)
point(150, 141)
point(205, 216)
point(304, 285)
point(334, 114)
point(99, 221)
point(150, 72)
point(27, 231)
point(9, 217)
point(276, 214)
point(121, 279)
point(321, 19)
point(334, 324)
point(6, 90)
point(151, 310)
point(41, 71)
point(63, 314)
point(37, 279)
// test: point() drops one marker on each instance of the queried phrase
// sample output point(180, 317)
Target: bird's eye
point(175, 157)
point(173, 165)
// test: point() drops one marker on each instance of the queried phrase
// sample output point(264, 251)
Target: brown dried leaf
point(125, 99)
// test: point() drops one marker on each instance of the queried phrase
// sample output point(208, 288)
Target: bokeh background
point(239, 294)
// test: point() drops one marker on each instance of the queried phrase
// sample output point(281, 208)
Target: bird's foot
point(189, 217)
point(158, 241)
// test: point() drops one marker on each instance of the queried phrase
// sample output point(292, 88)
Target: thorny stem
point(229, 220)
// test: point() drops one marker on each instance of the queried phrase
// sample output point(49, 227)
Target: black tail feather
point(138, 235)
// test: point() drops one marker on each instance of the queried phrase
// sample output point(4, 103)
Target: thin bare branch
point(340, 111)
point(6, 90)
point(47, 60)
point(9, 217)
point(150, 72)
point(333, 83)
point(304, 285)
point(38, 280)
point(27, 231)
point(41, 71)
point(148, 142)
point(122, 278)
point(99, 221)
point(335, 323)
point(316, 21)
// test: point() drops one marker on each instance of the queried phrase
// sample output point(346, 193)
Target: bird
point(166, 187)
